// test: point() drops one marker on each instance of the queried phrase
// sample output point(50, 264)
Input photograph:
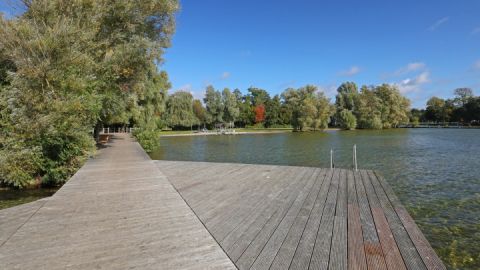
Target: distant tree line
point(305, 108)
point(463, 108)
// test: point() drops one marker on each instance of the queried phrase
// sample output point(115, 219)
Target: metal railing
point(354, 156)
point(110, 130)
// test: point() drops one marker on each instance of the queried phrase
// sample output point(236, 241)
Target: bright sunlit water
point(435, 172)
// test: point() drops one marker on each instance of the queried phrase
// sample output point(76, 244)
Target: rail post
point(331, 159)
point(355, 157)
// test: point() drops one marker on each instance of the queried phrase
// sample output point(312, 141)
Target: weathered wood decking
point(118, 212)
point(281, 217)
point(124, 211)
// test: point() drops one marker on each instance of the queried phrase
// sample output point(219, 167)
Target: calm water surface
point(435, 172)
point(12, 197)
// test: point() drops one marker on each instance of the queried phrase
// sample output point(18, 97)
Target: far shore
point(239, 132)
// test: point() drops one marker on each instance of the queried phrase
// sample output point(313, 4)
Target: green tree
point(78, 66)
point(231, 110)
point(462, 96)
point(273, 112)
point(346, 119)
point(214, 104)
point(259, 96)
point(346, 96)
point(368, 109)
point(394, 107)
point(436, 110)
point(309, 109)
point(180, 110)
point(199, 111)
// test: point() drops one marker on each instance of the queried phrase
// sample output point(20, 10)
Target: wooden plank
point(262, 214)
point(428, 255)
point(281, 223)
point(250, 204)
point(410, 255)
point(338, 254)
point(302, 256)
point(356, 251)
point(321, 251)
point(285, 255)
point(304, 202)
point(243, 199)
point(373, 250)
point(260, 230)
point(393, 258)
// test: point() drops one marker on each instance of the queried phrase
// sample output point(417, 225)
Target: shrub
point(347, 120)
point(149, 139)
point(20, 166)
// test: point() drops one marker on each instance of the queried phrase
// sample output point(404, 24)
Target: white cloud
point(409, 85)
point(225, 75)
point(350, 72)
point(438, 23)
point(329, 90)
point(410, 67)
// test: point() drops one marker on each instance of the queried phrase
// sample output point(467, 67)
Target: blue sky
point(427, 48)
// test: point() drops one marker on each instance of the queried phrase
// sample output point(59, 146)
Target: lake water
point(434, 172)
point(12, 197)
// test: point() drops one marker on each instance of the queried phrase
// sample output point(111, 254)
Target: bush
point(347, 120)
point(20, 166)
point(149, 139)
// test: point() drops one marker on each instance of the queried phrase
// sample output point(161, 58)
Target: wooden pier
point(124, 211)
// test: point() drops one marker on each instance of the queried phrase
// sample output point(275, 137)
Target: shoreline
point(215, 133)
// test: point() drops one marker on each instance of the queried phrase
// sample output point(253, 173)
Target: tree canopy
point(72, 66)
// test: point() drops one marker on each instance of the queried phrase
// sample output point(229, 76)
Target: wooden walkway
point(282, 217)
point(118, 212)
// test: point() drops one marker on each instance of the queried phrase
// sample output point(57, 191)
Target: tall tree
point(231, 110)
point(347, 95)
point(273, 112)
point(462, 95)
point(180, 110)
point(78, 66)
point(199, 111)
point(214, 104)
point(436, 110)
point(259, 96)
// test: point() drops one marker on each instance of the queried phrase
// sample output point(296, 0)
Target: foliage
point(381, 107)
point(273, 112)
point(464, 108)
point(309, 109)
point(214, 104)
point(347, 120)
point(231, 110)
point(180, 110)
point(199, 111)
point(346, 97)
point(259, 114)
point(148, 138)
point(70, 67)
